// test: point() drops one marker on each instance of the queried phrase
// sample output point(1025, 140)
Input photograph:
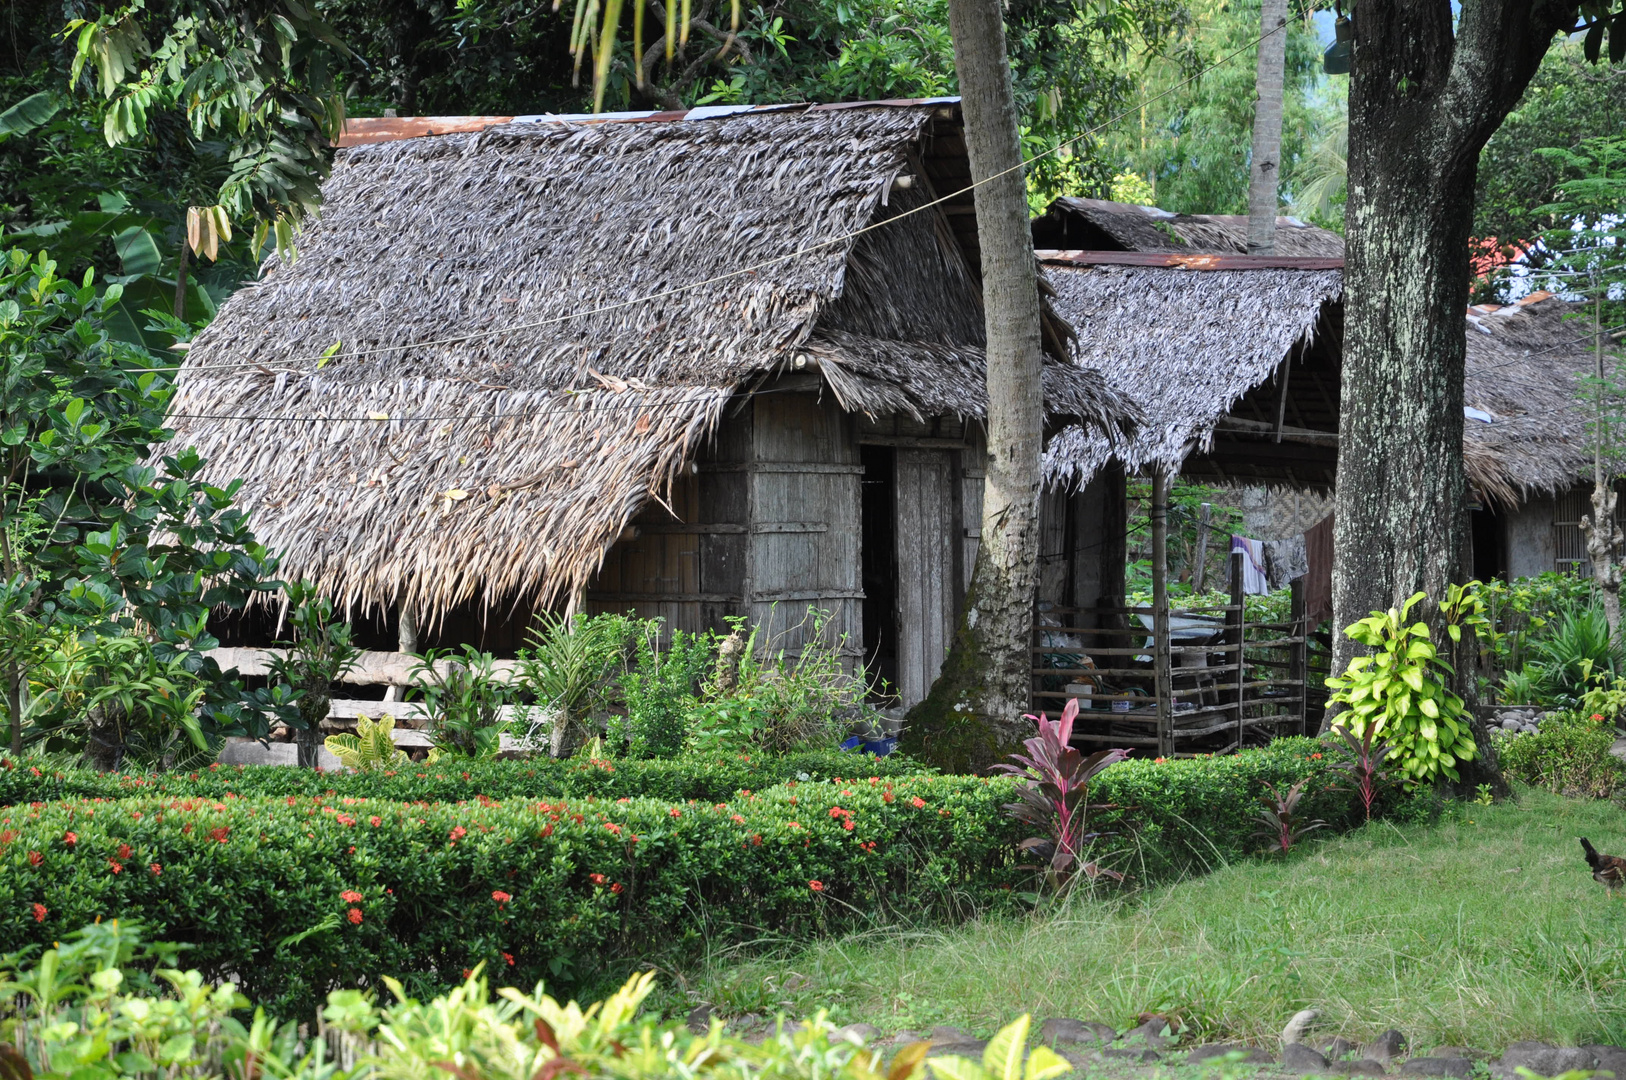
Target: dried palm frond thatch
point(1096, 224)
point(542, 321)
point(1184, 345)
point(1526, 366)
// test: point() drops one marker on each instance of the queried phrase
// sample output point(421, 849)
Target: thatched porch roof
point(542, 321)
point(1188, 345)
point(1200, 344)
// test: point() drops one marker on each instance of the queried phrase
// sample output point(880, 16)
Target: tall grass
point(1482, 930)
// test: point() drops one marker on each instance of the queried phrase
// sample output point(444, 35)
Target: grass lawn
point(1483, 929)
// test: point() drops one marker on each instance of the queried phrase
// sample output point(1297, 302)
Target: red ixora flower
point(596, 879)
point(70, 838)
point(917, 802)
point(115, 866)
point(35, 858)
point(1597, 717)
point(40, 912)
point(156, 869)
point(675, 812)
point(124, 851)
point(501, 897)
point(816, 886)
point(458, 832)
point(350, 896)
point(375, 822)
point(616, 888)
point(354, 916)
point(219, 832)
point(508, 956)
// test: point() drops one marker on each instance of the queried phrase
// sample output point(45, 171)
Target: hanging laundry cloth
point(1254, 581)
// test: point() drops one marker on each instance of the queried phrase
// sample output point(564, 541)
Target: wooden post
point(1199, 572)
point(407, 642)
point(1162, 682)
point(1234, 634)
point(1298, 658)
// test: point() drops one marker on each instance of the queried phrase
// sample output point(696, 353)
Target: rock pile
point(1517, 721)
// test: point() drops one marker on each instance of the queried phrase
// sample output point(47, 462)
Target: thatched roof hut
point(1202, 338)
point(540, 323)
point(1526, 430)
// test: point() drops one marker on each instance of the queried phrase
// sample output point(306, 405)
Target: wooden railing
point(1172, 687)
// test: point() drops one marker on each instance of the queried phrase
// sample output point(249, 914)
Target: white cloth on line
point(1254, 581)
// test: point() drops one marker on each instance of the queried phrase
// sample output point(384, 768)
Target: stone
point(1337, 1047)
point(1357, 1067)
point(1464, 1052)
point(1458, 1067)
point(1251, 1055)
point(1085, 1032)
point(1610, 1058)
point(904, 1038)
point(943, 1033)
point(860, 1033)
point(699, 1020)
point(1142, 1057)
point(1296, 1057)
point(1544, 1059)
point(1390, 1046)
point(966, 1048)
point(1154, 1033)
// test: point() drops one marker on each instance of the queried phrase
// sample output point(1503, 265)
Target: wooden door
point(929, 566)
point(804, 476)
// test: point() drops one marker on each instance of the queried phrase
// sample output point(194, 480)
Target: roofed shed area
point(724, 362)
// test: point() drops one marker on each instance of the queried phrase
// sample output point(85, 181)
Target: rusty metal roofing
point(362, 131)
point(1186, 262)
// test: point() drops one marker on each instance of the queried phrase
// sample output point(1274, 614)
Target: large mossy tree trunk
point(974, 709)
point(1427, 90)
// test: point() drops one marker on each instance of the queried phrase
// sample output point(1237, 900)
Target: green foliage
point(1193, 143)
point(464, 698)
point(1400, 693)
point(1185, 530)
point(1568, 101)
point(1567, 755)
point(660, 692)
point(536, 877)
point(319, 655)
point(371, 747)
point(450, 780)
point(1574, 650)
point(93, 538)
point(94, 1013)
point(569, 664)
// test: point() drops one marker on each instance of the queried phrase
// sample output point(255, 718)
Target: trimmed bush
point(1568, 755)
point(709, 779)
point(299, 894)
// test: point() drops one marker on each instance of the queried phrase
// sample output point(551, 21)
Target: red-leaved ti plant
point(1367, 767)
point(1280, 822)
point(1056, 797)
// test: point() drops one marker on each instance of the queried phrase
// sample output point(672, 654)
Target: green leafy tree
point(94, 538)
point(1585, 259)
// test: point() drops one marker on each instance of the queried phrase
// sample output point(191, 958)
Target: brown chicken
point(1609, 870)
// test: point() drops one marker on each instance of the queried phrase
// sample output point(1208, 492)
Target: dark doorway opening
point(879, 515)
point(1490, 550)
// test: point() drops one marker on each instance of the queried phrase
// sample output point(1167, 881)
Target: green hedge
point(708, 779)
point(577, 890)
point(1567, 755)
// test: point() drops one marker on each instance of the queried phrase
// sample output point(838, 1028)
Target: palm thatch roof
point(1187, 346)
point(1526, 366)
point(539, 323)
point(1195, 345)
point(1099, 225)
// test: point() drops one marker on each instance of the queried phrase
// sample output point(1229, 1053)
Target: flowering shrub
point(298, 894)
point(708, 779)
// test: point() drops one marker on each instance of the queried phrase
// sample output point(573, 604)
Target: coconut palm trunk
point(1265, 174)
point(974, 709)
